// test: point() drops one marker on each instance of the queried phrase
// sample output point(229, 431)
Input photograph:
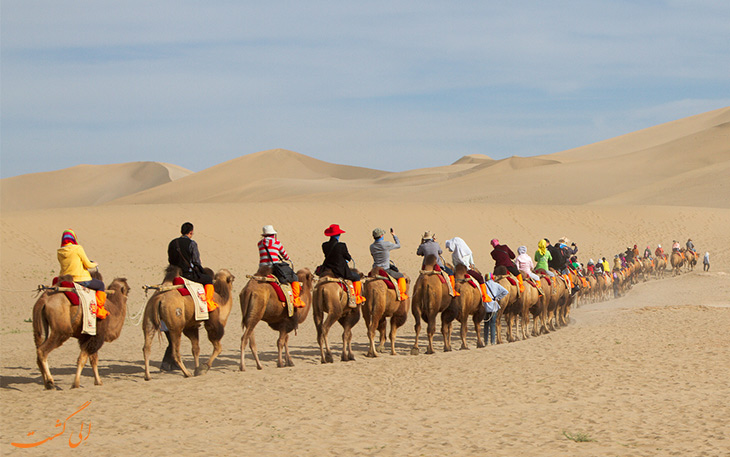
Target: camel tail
point(246, 297)
point(40, 324)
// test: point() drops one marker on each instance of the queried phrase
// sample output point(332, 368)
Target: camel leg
point(175, 338)
point(417, 329)
point(525, 322)
point(146, 350)
point(254, 350)
point(53, 341)
point(372, 329)
point(462, 332)
point(347, 354)
point(287, 356)
point(193, 335)
point(328, 323)
point(430, 331)
point(393, 331)
point(382, 329)
point(217, 348)
point(94, 359)
point(280, 348)
point(83, 357)
point(446, 332)
point(478, 329)
point(498, 325)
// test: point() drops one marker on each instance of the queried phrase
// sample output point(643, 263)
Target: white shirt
point(461, 255)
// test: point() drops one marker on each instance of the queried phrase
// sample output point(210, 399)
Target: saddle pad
point(72, 296)
point(388, 282)
point(512, 280)
point(88, 309)
point(471, 281)
point(197, 292)
point(180, 282)
point(546, 279)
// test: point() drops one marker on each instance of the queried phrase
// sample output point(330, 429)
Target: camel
point(178, 313)
point(510, 306)
point(677, 261)
point(468, 303)
point(381, 304)
point(330, 298)
point(660, 267)
point(536, 305)
point(690, 258)
point(559, 293)
point(430, 298)
point(55, 320)
point(259, 302)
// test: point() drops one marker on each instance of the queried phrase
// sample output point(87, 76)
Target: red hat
point(333, 230)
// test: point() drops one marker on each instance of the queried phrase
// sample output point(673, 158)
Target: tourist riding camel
point(542, 258)
point(336, 257)
point(462, 255)
point(659, 252)
point(272, 252)
point(675, 246)
point(503, 256)
point(183, 252)
point(557, 258)
point(690, 245)
point(75, 263)
point(380, 250)
point(430, 246)
point(647, 253)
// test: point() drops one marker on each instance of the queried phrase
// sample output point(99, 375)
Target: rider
point(271, 251)
point(557, 261)
point(542, 257)
point(591, 267)
point(525, 264)
point(429, 246)
point(462, 255)
point(503, 256)
point(675, 246)
point(74, 262)
point(690, 245)
point(647, 253)
point(659, 251)
point(336, 257)
point(380, 250)
point(183, 252)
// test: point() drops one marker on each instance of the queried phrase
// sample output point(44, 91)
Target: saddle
point(442, 275)
point(67, 287)
point(346, 286)
point(470, 280)
point(283, 291)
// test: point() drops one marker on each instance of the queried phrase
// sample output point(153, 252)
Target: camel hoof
point(289, 363)
point(147, 377)
point(482, 345)
point(98, 383)
point(463, 348)
point(429, 351)
point(328, 358)
point(414, 351)
point(371, 354)
point(201, 370)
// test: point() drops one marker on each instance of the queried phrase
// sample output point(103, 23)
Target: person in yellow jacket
point(74, 262)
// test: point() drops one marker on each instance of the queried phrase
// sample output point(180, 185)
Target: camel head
point(224, 275)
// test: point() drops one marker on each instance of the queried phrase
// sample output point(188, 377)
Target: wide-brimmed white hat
point(268, 230)
point(427, 236)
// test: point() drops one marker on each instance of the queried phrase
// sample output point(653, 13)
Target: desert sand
point(642, 375)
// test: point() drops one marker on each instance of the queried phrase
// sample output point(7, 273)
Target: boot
point(209, 291)
point(522, 284)
point(453, 285)
point(357, 285)
point(101, 312)
point(296, 288)
point(485, 297)
point(403, 288)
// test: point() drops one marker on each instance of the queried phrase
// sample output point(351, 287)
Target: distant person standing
point(706, 262)
point(496, 292)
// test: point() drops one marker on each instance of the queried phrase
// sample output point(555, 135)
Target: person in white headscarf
point(461, 254)
point(706, 262)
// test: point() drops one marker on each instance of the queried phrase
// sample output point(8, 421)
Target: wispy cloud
point(416, 83)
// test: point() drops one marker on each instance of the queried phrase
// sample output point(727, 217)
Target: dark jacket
point(558, 261)
point(336, 257)
point(183, 252)
point(503, 256)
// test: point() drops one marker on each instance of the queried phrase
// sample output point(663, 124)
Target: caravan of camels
point(456, 292)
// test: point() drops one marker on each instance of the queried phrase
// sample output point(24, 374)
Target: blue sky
point(388, 85)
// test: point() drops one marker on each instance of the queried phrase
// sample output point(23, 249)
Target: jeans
point(490, 327)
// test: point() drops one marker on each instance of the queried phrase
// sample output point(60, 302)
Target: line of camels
point(56, 319)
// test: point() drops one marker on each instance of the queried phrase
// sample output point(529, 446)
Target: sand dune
point(640, 375)
point(84, 185)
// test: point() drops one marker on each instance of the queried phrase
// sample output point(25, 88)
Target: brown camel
point(330, 299)
point(690, 259)
point(55, 320)
point(259, 302)
point(468, 303)
point(677, 261)
point(534, 304)
point(380, 305)
point(660, 267)
point(431, 297)
point(510, 306)
point(178, 313)
point(559, 294)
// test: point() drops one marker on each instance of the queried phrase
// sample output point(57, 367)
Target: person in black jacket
point(557, 262)
point(336, 257)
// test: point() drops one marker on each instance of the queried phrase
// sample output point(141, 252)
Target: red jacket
point(503, 256)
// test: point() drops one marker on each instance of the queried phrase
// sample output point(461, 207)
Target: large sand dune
point(643, 375)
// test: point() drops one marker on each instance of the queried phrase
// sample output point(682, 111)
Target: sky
point(391, 85)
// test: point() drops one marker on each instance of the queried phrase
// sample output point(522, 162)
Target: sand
point(645, 374)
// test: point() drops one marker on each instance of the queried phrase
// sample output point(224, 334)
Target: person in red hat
point(336, 257)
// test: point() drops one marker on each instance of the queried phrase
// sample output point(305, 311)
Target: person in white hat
point(271, 251)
